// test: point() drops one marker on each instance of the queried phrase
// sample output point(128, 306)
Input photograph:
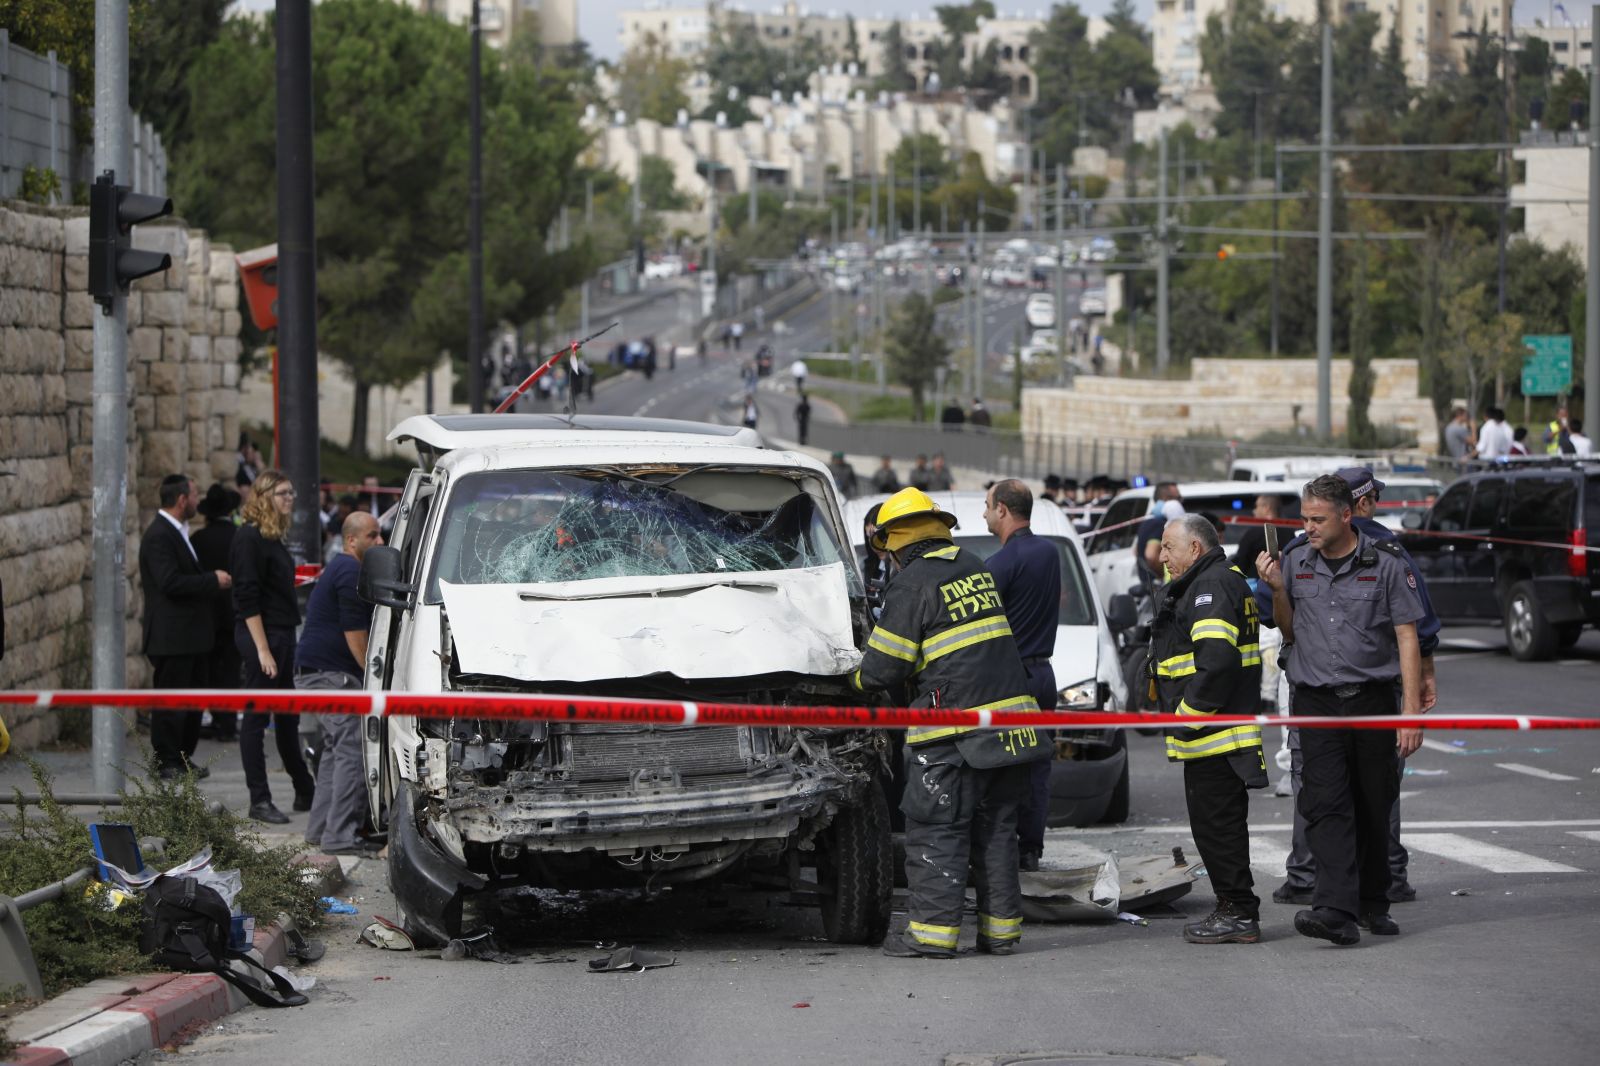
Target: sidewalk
point(119, 1018)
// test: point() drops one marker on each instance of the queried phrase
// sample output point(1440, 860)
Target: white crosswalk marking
point(1439, 745)
point(1586, 834)
point(1269, 855)
point(1489, 857)
point(1534, 771)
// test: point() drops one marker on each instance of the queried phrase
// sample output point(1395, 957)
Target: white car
point(1040, 311)
point(1007, 275)
point(1111, 560)
point(1295, 469)
point(632, 558)
point(1090, 785)
point(667, 266)
point(1405, 495)
point(1092, 302)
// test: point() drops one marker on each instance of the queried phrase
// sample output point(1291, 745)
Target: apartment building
point(557, 20)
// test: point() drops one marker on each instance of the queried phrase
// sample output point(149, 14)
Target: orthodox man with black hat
point(1206, 658)
point(943, 632)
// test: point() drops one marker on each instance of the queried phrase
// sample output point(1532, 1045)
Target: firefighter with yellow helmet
point(943, 632)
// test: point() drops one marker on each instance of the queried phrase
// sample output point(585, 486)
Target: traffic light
point(1224, 252)
point(113, 261)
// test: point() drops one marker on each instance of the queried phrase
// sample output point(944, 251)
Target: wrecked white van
point(620, 557)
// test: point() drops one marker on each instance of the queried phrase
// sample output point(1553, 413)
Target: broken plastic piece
point(383, 933)
point(478, 944)
point(1461, 892)
point(1131, 919)
point(335, 906)
point(630, 960)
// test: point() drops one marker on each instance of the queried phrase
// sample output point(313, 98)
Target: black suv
point(1544, 589)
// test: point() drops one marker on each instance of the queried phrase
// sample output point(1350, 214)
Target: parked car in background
point(1516, 546)
point(1040, 311)
point(1092, 302)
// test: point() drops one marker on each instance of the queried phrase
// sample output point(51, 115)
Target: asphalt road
point(1498, 961)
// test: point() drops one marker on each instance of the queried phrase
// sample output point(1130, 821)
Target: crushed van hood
point(691, 626)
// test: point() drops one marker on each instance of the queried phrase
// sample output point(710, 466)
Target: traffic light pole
point(475, 381)
point(113, 151)
point(1325, 247)
point(1591, 327)
point(298, 430)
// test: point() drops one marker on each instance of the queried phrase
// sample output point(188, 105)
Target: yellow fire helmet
point(903, 506)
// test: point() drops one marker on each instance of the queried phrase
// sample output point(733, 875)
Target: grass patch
point(840, 368)
point(873, 407)
point(79, 938)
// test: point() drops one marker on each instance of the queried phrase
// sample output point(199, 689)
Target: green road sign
point(1548, 371)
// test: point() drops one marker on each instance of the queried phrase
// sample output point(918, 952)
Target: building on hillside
point(557, 20)
point(1571, 46)
point(685, 32)
point(1555, 167)
point(1434, 34)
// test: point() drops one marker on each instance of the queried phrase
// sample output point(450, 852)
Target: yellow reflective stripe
point(993, 928)
point(918, 734)
point(892, 644)
point(1177, 666)
point(962, 636)
point(1218, 743)
point(942, 553)
point(938, 936)
point(1185, 709)
point(1021, 704)
point(1214, 629)
point(1250, 655)
point(855, 679)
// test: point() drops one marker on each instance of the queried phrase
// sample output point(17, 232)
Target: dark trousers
point(959, 817)
point(225, 671)
point(252, 745)
point(1219, 819)
point(1301, 869)
point(1348, 787)
point(175, 734)
point(1036, 802)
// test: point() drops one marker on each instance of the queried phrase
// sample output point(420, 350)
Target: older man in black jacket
point(177, 619)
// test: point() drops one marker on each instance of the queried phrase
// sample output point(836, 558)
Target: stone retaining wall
point(183, 360)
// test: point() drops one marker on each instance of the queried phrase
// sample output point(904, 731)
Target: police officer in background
point(943, 631)
point(1206, 659)
point(1300, 868)
point(1348, 608)
point(1027, 574)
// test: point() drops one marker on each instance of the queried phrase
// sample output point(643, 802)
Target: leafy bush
point(78, 938)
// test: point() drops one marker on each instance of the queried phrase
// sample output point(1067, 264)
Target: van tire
point(855, 871)
point(1529, 634)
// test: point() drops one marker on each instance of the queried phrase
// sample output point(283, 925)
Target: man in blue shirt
point(1300, 869)
point(332, 649)
point(1027, 574)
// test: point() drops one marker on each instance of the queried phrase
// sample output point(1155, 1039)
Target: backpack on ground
point(186, 927)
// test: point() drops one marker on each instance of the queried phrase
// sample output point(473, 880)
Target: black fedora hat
point(220, 502)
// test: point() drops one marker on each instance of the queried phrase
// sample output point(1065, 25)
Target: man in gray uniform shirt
point(1347, 606)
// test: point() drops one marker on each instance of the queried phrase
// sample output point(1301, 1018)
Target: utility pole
point(1325, 246)
point(978, 357)
point(752, 198)
point(475, 220)
point(588, 225)
point(1061, 272)
point(1163, 347)
point(916, 175)
point(1591, 330)
point(970, 249)
point(890, 203)
point(1277, 187)
point(298, 432)
point(113, 151)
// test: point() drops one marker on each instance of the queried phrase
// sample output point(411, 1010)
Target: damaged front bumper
point(769, 807)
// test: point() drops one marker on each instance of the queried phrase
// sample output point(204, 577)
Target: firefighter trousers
point(958, 816)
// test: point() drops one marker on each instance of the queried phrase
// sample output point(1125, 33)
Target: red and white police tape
point(555, 708)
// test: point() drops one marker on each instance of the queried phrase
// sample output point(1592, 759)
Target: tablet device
point(115, 843)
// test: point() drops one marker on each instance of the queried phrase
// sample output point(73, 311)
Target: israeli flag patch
point(1202, 599)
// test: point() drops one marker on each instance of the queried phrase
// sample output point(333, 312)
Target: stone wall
point(1228, 397)
point(183, 381)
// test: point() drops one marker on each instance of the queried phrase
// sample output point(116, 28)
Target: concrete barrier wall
point(183, 361)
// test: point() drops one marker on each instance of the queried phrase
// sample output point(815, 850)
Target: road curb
point(108, 1021)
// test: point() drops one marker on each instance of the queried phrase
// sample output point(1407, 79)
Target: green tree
point(961, 198)
point(391, 163)
point(65, 27)
point(650, 82)
point(172, 33)
point(915, 348)
point(896, 76)
point(1063, 60)
point(737, 59)
point(852, 41)
point(658, 190)
point(926, 153)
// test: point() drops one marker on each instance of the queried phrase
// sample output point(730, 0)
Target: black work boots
point(1225, 925)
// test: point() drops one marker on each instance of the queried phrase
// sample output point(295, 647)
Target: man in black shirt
point(1147, 540)
point(1254, 541)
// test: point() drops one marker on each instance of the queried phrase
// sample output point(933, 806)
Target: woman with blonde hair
point(265, 616)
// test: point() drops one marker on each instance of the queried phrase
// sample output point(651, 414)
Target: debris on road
point(337, 906)
point(630, 960)
point(478, 944)
point(1461, 892)
point(384, 934)
point(1131, 919)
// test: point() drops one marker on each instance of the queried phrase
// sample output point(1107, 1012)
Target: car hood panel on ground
point(692, 626)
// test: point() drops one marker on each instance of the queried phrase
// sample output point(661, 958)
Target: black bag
point(186, 926)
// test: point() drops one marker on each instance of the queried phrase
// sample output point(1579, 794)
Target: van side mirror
point(1121, 612)
point(1411, 520)
point(382, 580)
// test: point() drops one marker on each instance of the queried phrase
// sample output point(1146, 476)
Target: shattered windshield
point(531, 527)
